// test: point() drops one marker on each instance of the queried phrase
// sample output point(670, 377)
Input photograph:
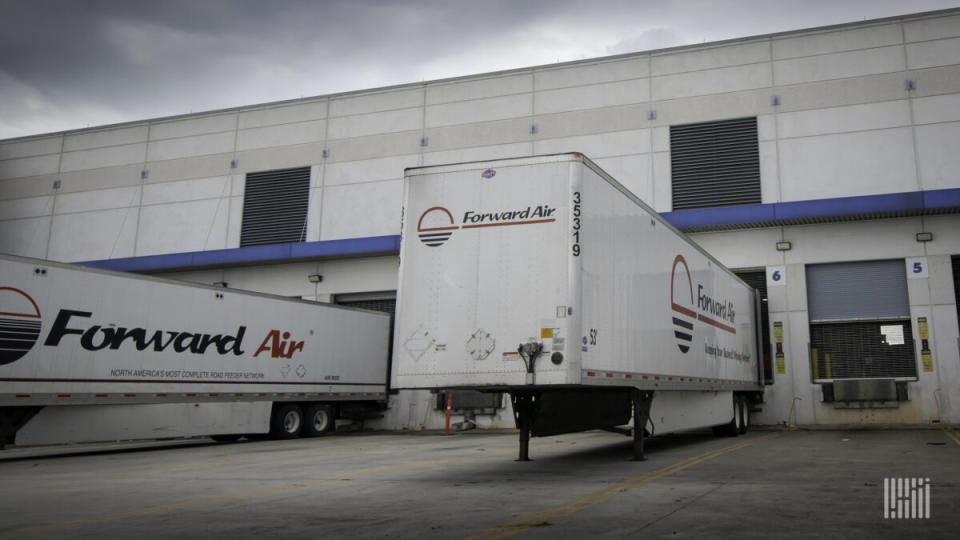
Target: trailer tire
point(743, 415)
point(731, 428)
point(286, 421)
point(318, 420)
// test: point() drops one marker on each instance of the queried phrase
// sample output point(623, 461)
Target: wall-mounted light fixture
point(315, 278)
point(234, 163)
point(220, 284)
point(909, 85)
point(424, 141)
point(784, 246)
point(56, 184)
point(774, 100)
point(325, 153)
point(144, 174)
point(534, 129)
point(924, 236)
point(651, 115)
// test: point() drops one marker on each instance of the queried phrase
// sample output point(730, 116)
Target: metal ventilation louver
point(715, 164)
point(275, 207)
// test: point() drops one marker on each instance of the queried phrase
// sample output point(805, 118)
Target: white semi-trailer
point(92, 355)
point(545, 278)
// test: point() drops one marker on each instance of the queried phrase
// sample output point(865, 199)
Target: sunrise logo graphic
point(435, 226)
point(19, 324)
point(681, 301)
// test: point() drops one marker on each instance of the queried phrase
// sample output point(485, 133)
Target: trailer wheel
point(318, 420)
point(286, 422)
point(743, 415)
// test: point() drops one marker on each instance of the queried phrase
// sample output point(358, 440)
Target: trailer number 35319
point(576, 223)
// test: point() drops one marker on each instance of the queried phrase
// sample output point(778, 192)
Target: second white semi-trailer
point(545, 278)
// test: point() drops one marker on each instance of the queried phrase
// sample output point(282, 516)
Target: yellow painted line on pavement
point(574, 505)
point(950, 433)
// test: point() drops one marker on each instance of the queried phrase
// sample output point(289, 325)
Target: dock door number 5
point(576, 223)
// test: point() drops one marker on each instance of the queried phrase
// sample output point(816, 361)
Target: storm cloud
point(70, 64)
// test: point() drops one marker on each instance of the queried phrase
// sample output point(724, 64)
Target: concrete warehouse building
point(823, 165)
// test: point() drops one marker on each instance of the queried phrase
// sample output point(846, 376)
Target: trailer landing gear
point(524, 410)
point(641, 414)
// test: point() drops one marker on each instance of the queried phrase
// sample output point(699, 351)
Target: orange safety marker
point(449, 406)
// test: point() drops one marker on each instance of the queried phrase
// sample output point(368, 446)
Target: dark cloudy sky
point(68, 64)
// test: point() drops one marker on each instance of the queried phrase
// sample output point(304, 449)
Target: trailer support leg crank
point(524, 410)
point(641, 414)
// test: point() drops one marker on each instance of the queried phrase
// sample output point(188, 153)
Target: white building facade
point(836, 189)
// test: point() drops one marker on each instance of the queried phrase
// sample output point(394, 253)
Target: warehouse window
point(860, 321)
point(715, 164)
point(757, 279)
point(275, 207)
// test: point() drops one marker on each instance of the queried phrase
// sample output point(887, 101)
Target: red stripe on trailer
point(609, 374)
point(213, 395)
point(23, 395)
point(628, 376)
point(591, 374)
point(129, 395)
point(101, 395)
point(656, 378)
point(161, 395)
point(645, 377)
point(63, 395)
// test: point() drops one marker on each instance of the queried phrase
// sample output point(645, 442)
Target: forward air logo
point(687, 311)
point(19, 324)
point(436, 224)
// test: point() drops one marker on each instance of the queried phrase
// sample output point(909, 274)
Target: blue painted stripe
point(785, 212)
point(351, 247)
point(725, 217)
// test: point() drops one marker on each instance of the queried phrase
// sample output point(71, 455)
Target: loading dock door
point(860, 321)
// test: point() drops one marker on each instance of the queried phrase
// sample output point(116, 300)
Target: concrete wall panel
point(932, 28)
point(25, 208)
point(600, 72)
point(30, 147)
point(480, 110)
point(107, 137)
point(710, 58)
point(938, 147)
point(838, 65)
point(359, 210)
point(598, 146)
point(376, 102)
point(478, 153)
point(592, 96)
point(479, 88)
point(844, 119)
point(351, 172)
point(942, 52)
point(933, 109)
point(106, 234)
point(199, 145)
point(25, 237)
point(187, 226)
point(846, 165)
point(101, 199)
point(188, 127)
point(283, 114)
point(109, 156)
point(837, 41)
point(29, 166)
point(186, 190)
point(280, 135)
point(375, 123)
point(712, 81)
point(769, 173)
